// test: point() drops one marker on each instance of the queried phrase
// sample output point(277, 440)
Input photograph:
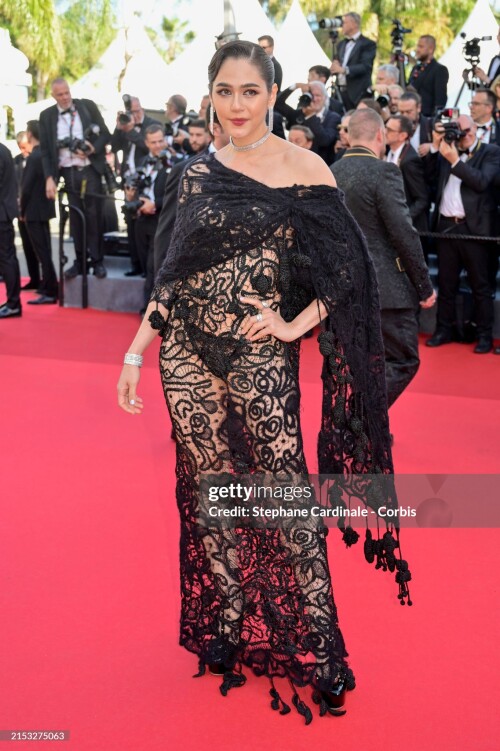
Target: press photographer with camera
point(428, 77)
point(353, 65)
point(313, 110)
point(463, 171)
point(73, 138)
point(176, 124)
point(128, 138)
point(144, 191)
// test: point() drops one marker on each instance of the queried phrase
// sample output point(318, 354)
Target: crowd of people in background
point(441, 174)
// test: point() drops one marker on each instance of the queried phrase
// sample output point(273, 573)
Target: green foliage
point(175, 37)
point(87, 29)
point(441, 18)
point(35, 30)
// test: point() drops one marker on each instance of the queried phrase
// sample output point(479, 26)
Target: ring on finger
point(258, 317)
point(265, 304)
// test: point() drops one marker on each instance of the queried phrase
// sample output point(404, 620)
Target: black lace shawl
point(221, 213)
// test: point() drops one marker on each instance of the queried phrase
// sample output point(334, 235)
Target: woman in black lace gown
point(263, 249)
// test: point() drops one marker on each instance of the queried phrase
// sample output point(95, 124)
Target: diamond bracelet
point(131, 359)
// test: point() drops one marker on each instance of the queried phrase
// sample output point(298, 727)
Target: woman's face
point(241, 99)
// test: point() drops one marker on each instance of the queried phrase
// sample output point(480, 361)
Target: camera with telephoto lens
point(305, 100)
point(80, 144)
point(137, 181)
point(125, 118)
point(448, 118)
point(331, 23)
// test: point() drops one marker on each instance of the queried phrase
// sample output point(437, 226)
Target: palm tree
point(35, 27)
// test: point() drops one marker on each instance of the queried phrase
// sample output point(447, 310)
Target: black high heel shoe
point(331, 701)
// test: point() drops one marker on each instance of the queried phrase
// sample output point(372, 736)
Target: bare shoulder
point(308, 167)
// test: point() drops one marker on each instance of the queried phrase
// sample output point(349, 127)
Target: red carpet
point(89, 565)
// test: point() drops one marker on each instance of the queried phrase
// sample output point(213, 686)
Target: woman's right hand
point(127, 390)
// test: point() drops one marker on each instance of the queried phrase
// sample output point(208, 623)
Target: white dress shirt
point(451, 201)
point(484, 131)
point(69, 125)
point(415, 139)
point(393, 156)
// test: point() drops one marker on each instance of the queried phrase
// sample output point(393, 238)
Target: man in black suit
point(466, 205)
point(29, 253)
point(354, 63)
point(322, 73)
point(374, 193)
point(36, 211)
point(316, 115)
point(267, 44)
point(128, 138)
point(429, 77)
point(9, 265)
point(398, 131)
point(410, 106)
point(81, 167)
point(482, 107)
point(151, 199)
point(493, 68)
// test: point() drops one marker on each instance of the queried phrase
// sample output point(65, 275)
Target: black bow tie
point(464, 151)
point(483, 127)
point(349, 39)
point(67, 112)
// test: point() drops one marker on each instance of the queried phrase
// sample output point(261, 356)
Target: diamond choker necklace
point(250, 145)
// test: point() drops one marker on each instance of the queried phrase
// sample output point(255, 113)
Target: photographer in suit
point(398, 130)
point(145, 189)
point(128, 137)
point(428, 77)
point(313, 111)
point(493, 68)
point(37, 210)
point(374, 193)
point(9, 265)
point(354, 65)
point(73, 138)
point(463, 170)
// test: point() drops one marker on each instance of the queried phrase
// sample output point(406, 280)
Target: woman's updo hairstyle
point(241, 50)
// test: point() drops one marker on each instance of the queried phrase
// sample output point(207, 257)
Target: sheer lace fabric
point(263, 597)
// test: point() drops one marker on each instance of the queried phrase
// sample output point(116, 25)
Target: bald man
point(463, 173)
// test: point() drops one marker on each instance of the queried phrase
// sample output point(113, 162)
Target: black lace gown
point(260, 598)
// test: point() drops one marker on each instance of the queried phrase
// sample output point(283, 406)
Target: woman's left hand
point(267, 322)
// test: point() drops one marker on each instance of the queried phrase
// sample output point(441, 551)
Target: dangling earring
point(212, 119)
point(270, 118)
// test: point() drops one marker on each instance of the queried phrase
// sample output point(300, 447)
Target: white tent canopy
point(187, 74)
point(297, 49)
point(481, 22)
point(130, 65)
